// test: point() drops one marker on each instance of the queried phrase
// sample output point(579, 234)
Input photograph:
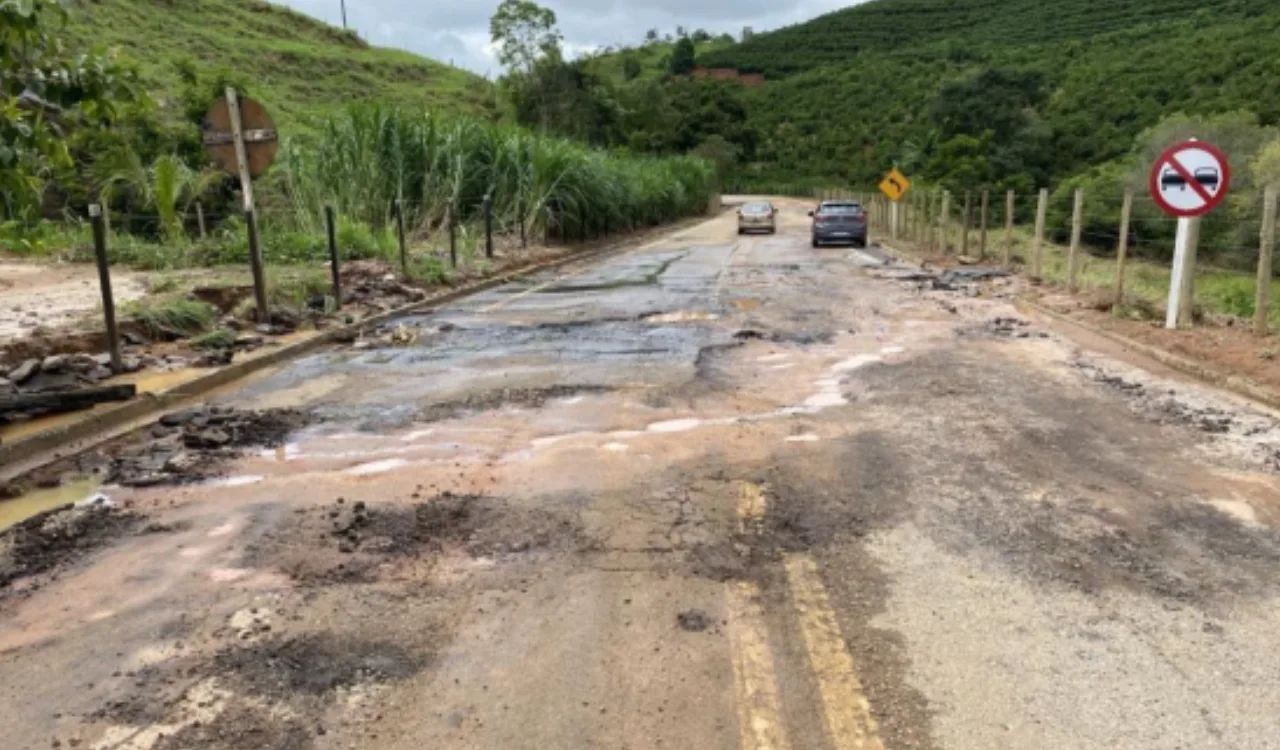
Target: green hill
point(961, 28)
point(295, 64)
point(647, 61)
point(1016, 93)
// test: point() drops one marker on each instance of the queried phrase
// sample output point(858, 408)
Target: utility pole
point(344, 14)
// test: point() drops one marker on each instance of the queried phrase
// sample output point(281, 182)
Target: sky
point(457, 31)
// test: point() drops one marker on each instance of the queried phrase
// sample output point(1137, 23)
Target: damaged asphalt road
point(712, 492)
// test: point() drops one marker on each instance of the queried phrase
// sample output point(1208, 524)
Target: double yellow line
point(846, 711)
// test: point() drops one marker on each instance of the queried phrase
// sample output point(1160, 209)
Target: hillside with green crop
point(1003, 93)
point(298, 66)
point(967, 29)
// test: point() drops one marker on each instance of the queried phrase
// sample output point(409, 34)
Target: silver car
point(758, 216)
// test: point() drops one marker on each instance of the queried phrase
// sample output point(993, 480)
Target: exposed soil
point(529, 398)
point(345, 542)
point(1227, 349)
point(182, 447)
point(58, 537)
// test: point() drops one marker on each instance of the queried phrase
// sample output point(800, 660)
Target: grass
point(654, 59)
point(297, 66)
point(221, 338)
point(1218, 291)
point(171, 316)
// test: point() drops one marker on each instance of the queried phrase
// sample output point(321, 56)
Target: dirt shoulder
point(1222, 344)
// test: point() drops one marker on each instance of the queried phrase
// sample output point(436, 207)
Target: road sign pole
point(1182, 280)
point(893, 221)
point(246, 191)
point(242, 153)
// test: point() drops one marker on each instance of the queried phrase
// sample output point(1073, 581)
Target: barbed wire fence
point(1117, 248)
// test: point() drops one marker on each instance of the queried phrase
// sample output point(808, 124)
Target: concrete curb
point(1233, 383)
point(96, 426)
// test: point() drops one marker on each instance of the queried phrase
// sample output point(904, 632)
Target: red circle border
point(1154, 183)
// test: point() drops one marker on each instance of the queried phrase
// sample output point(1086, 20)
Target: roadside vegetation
point(85, 129)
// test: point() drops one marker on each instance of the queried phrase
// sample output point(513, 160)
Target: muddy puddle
point(19, 509)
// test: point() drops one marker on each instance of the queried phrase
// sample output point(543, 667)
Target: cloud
point(457, 31)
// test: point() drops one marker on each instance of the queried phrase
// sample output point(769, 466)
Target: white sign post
point(1188, 181)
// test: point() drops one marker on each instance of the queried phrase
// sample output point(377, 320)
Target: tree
point(651, 35)
point(682, 57)
point(747, 33)
point(631, 66)
point(524, 32)
point(701, 36)
point(723, 154)
point(46, 95)
point(681, 33)
point(168, 187)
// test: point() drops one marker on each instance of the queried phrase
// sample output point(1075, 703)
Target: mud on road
point(717, 492)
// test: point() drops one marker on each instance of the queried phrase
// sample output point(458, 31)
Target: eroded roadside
point(497, 529)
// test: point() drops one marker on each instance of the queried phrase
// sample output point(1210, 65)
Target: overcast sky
point(458, 30)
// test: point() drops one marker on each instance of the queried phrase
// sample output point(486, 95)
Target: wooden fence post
point(1122, 248)
point(982, 232)
point(404, 248)
point(332, 232)
point(1010, 200)
point(524, 240)
point(1037, 248)
point(944, 221)
point(104, 282)
point(1262, 308)
point(1073, 253)
point(488, 226)
point(964, 226)
point(453, 236)
point(200, 220)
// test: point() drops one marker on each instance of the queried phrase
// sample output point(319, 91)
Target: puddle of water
point(155, 382)
point(675, 425)
point(808, 438)
point(681, 317)
point(283, 453)
point(20, 509)
point(1239, 510)
point(241, 481)
point(377, 467)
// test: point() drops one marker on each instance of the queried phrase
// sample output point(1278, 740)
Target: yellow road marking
point(759, 706)
point(752, 506)
point(850, 725)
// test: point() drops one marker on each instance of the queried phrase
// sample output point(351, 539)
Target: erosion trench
point(715, 492)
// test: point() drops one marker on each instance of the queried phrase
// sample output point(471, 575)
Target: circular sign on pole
point(1190, 179)
point(257, 131)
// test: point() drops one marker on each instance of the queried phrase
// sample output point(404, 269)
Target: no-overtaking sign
point(1190, 179)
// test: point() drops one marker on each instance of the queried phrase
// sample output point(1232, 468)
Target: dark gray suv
point(839, 221)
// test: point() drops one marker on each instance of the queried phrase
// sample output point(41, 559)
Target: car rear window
point(757, 208)
point(839, 209)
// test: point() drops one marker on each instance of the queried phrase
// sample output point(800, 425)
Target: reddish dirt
point(1227, 349)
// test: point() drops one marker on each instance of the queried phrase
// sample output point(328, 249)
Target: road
point(713, 492)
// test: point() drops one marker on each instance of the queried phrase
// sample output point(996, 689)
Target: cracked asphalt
point(714, 492)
